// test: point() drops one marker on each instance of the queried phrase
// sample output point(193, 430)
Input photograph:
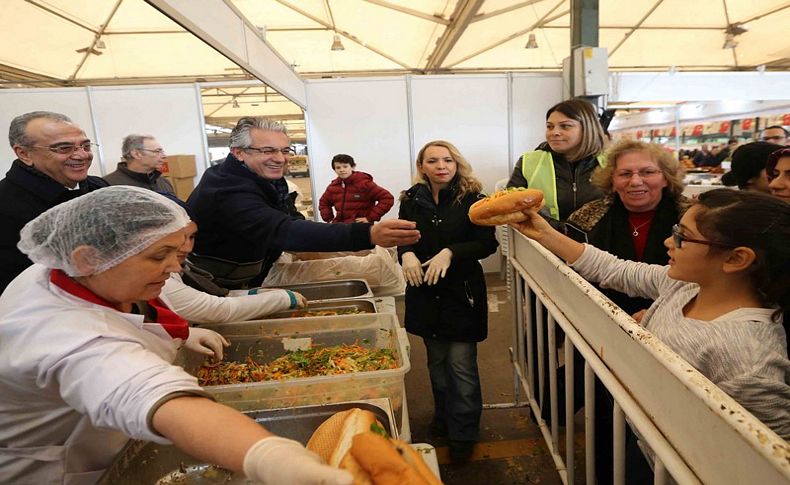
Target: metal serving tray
point(332, 290)
point(266, 340)
point(145, 463)
point(362, 306)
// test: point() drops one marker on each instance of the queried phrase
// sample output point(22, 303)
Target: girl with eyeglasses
point(721, 301)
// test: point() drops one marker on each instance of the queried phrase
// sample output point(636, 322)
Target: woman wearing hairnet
point(86, 350)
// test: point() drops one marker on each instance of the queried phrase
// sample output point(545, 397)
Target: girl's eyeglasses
point(678, 239)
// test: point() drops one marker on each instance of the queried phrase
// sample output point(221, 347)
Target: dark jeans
point(455, 382)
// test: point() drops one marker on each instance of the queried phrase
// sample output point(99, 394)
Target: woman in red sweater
point(353, 195)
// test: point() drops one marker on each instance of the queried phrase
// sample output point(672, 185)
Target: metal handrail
point(713, 439)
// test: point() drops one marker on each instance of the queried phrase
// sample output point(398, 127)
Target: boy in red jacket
point(353, 195)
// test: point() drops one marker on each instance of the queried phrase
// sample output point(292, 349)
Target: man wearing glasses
point(242, 209)
point(53, 158)
point(143, 158)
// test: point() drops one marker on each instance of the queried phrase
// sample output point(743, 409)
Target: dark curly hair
point(757, 221)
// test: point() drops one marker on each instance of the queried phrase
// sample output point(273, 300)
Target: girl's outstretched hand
point(536, 227)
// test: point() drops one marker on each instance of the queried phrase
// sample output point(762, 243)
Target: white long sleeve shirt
point(199, 307)
point(76, 380)
point(744, 352)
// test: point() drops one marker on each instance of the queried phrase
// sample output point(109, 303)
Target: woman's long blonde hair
point(467, 182)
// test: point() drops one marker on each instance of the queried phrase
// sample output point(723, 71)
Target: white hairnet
point(117, 222)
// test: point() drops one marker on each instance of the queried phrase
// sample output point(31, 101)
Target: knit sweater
point(743, 352)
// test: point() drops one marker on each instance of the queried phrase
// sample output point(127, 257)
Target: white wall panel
point(533, 95)
point(364, 118)
point(169, 113)
point(698, 86)
point(72, 102)
point(471, 112)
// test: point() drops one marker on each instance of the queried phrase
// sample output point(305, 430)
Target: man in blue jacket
point(242, 209)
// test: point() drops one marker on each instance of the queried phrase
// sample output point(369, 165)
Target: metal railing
point(696, 432)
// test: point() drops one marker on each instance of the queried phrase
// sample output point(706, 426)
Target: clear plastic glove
point(280, 461)
point(301, 301)
point(412, 269)
point(207, 342)
point(437, 266)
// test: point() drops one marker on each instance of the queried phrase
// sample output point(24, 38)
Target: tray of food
point(305, 361)
point(328, 309)
point(331, 290)
point(145, 463)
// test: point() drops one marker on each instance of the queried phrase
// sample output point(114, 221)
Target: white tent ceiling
point(98, 42)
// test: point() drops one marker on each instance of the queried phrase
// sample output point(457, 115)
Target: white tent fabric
point(46, 43)
point(126, 41)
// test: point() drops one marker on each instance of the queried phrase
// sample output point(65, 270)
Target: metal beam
point(14, 75)
point(516, 6)
point(635, 27)
point(538, 24)
point(464, 12)
point(756, 17)
point(224, 28)
point(409, 11)
point(727, 18)
point(61, 16)
point(234, 119)
point(584, 23)
point(96, 36)
point(345, 34)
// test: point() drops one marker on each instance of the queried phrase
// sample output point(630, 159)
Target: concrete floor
point(511, 448)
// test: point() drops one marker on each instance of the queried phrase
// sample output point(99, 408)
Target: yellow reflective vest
point(538, 170)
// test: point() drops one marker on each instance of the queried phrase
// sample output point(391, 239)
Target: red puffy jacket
point(356, 196)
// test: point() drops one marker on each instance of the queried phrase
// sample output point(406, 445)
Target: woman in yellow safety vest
point(561, 167)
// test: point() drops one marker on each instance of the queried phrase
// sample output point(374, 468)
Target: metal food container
point(360, 306)
point(266, 340)
point(146, 463)
point(332, 290)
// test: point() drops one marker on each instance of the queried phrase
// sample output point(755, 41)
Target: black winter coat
point(574, 188)
point(456, 308)
point(605, 225)
point(241, 218)
point(25, 193)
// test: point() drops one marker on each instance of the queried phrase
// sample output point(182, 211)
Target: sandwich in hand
point(354, 441)
point(505, 206)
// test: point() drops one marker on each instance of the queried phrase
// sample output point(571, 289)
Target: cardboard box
point(180, 166)
point(183, 186)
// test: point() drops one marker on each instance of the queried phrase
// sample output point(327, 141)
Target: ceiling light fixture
point(532, 43)
point(235, 103)
point(736, 29)
point(90, 51)
point(337, 45)
point(100, 44)
point(729, 42)
point(732, 31)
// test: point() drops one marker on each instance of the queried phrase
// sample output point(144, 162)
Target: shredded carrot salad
point(325, 361)
point(327, 313)
point(500, 193)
